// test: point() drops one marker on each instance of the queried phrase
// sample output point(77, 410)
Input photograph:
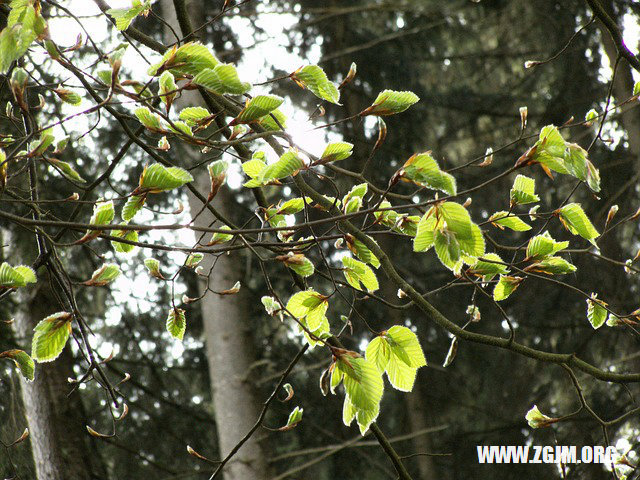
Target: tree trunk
point(59, 441)
point(227, 325)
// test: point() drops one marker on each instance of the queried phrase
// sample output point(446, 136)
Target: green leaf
point(132, 207)
point(542, 246)
point(426, 232)
point(550, 148)
point(361, 251)
point(168, 88)
point(389, 102)
point(295, 417)
point(176, 323)
point(362, 382)
point(292, 206)
point(45, 140)
point(505, 287)
point(358, 273)
point(218, 237)
point(308, 305)
point(193, 115)
point(158, 178)
point(335, 152)
point(269, 123)
point(103, 213)
point(486, 268)
point(536, 419)
point(636, 88)
point(406, 346)
point(575, 159)
point(523, 191)
point(505, 219)
point(447, 249)
point(23, 362)
point(104, 275)
point(422, 169)
point(596, 313)
point(16, 277)
point(222, 79)
point(300, 264)
point(50, 336)
point(150, 120)
point(257, 107)
point(576, 221)
point(68, 96)
point(288, 164)
point(591, 115)
point(191, 58)
point(124, 16)
point(379, 352)
point(401, 376)
point(457, 219)
point(121, 247)
point(193, 260)
point(153, 266)
point(24, 25)
point(313, 78)
point(66, 170)
point(552, 266)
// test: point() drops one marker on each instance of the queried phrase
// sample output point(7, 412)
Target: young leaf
point(193, 260)
point(121, 247)
point(335, 152)
point(295, 417)
point(124, 16)
point(596, 313)
point(536, 419)
point(66, 170)
point(132, 207)
point(158, 178)
point(485, 267)
point(542, 246)
point(298, 263)
point(426, 232)
point(150, 120)
point(505, 287)
point(107, 273)
point(176, 323)
point(378, 352)
point(422, 169)
point(362, 382)
point(552, 266)
point(50, 336)
point(576, 221)
point(68, 96)
point(223, 78)
point(218, 237)
point(358, 273)
point(389, 102)
point(23, 362)
point(523, 191)
point(16, 277)
point(191, 58)
point(288, 164)
point(194, 115)
point(257, 107)
point(504, 219)
point(313, 78)
point(405, 345)
point(273, 122)
point(153, 266)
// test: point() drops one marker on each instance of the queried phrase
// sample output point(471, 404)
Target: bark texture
point(60, 444)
